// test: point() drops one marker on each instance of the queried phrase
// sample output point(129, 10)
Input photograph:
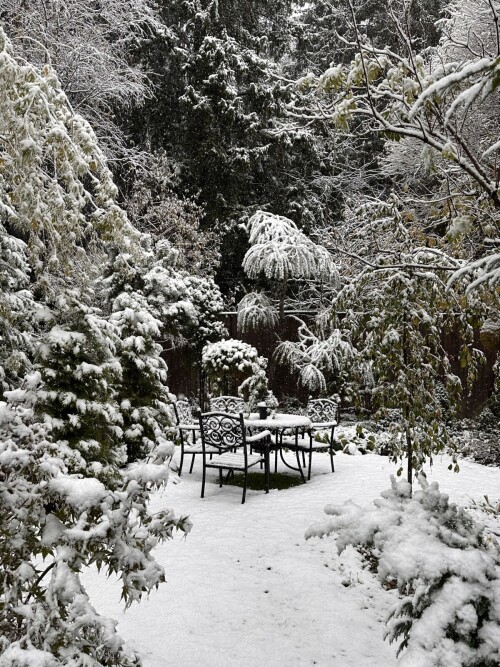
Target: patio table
point(278, 424)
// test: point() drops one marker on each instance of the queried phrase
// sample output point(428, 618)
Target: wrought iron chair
point(186, 423)
point(225, 433)
point(324, 416)
point(232, 404)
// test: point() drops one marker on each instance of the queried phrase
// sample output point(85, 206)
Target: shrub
point(445, 565)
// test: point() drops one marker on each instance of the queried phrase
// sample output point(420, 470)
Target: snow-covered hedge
point(445, 565)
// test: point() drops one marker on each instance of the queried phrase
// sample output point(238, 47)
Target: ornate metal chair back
point(183, 412)
point(322, 410)
point(232, 404)
point(222, 430)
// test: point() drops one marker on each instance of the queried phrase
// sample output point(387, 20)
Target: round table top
point(279, 420)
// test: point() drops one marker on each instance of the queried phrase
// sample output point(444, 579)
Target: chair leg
point(203, 478)
point(192, 464)
point(310, 458)
point(266, 471)
point(220, 477)
point(244, 486)
point(331, 448)
point(182, 456)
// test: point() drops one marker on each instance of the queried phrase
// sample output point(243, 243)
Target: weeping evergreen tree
point(281, 260)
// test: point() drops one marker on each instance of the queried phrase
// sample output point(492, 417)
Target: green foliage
point(74, 383)
point(359, 442)
point(396, 310)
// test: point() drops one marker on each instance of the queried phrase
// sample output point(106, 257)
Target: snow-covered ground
point(246, 589)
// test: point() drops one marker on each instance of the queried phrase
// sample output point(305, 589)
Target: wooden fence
point(185, 377)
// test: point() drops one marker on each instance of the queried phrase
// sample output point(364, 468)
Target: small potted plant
point(262, 408)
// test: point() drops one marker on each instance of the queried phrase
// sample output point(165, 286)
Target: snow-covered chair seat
point(234, 460)
point(197, 448)
point(227, 434)
point(324, 416)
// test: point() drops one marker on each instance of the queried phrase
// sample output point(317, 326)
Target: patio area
point(245, 588)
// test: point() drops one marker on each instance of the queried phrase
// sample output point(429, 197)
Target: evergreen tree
point(77, 374)
point(218, 92)
point(16, 311)
point(143, 395)
point(66, 501)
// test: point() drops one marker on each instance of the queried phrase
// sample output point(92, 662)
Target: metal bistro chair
point(225, 433)
point(232, 404)
point(324, 416)
point(186, 423)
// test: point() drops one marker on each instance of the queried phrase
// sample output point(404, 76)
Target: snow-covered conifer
point(74, 383)
point(143, 395)
point(16, 310)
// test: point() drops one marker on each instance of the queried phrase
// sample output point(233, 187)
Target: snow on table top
point(246, 589)
point(279, 420)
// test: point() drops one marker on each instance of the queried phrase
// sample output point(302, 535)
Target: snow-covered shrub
point(234, 365)
point(358, 443)
point(205, 296)
point(57, 518)
point(73, 384)
point(229, 357)
point(446, 568)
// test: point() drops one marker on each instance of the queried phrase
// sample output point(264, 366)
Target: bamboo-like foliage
point(56, 190)
point(280, 251)
point(255, 311)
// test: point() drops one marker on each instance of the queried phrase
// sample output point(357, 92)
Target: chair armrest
point(259, 436)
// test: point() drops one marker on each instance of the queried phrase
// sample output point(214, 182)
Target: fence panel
point(185, 377)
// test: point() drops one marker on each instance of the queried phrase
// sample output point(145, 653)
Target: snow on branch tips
point(256, 310)
point(280, 251)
